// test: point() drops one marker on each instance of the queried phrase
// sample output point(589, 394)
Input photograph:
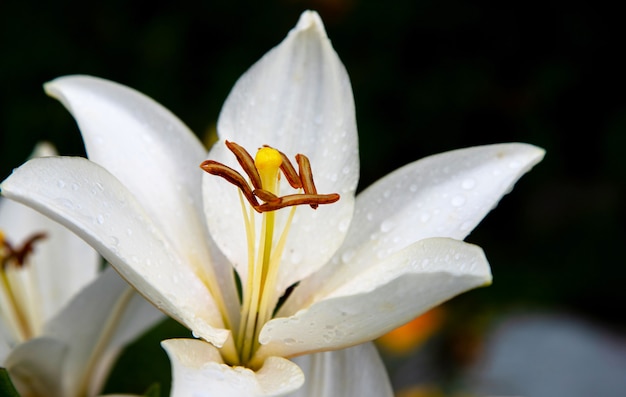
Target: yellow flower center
point(19, 295)
point(259, 294)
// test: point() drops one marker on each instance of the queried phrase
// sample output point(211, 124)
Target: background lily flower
point(62, 324)
point(58, 267)
point(358, 267)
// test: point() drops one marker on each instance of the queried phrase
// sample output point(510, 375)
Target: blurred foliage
point(428, 76)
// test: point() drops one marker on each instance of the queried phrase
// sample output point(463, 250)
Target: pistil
point(265, 254)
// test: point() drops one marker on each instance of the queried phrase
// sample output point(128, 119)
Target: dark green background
point(428, 76)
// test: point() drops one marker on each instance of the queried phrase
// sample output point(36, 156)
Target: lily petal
point(444, 195)
point(298, 99)
point(354, 372)
point(90, 201)
point(103, 318)
point(385, 296)
point(62, 263)
point(33, 367)
point(153, 154)
point(198, 370)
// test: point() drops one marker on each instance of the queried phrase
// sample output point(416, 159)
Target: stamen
point(232, 176)
point(306, 176)
point(246, 162)
point(263, 174)
point(265, 250)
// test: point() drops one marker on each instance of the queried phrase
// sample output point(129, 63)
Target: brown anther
point(246, 162)
point(303, 179)
point(232, 176)
point(19, 255)
point(266, 196)
point(306, 176)
point(290, 172)
point(298, 199)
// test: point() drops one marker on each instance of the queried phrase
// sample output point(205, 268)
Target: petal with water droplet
point(362, 307)
point(198, 370)
point(298, 99)
point(144, 259)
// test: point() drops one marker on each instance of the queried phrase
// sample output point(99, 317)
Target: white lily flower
point(54, 266)
point(357, 267)
point(62, 324)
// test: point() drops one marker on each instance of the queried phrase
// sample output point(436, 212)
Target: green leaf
point(6, 386)
point(153, 391)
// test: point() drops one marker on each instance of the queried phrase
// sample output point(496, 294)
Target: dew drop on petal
point(61, 183)
point(114, 240)
point(468, 183)
point(425, 217)
point(347, 256)
point(75, 186)
point(343, 225)
point(296, 257)
point(100, 219)
point(386, 226)
point(465, 226)
point(458, 201)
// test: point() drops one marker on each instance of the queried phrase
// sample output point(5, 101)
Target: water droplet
point(75, 186)
point(425, 217)
point(100, 219)
point(515, 164)
point(369, 216)
point(387, 193)
point(458, 201)
point(115, 241)
point(345, 170)
point(468, 183)
point(343, 225)
point(296, 257)
point(289, 341)
point(465, 226)
point(413, 188)
point(129, 232)
point(386, 226)
point(193, 333)
point(61, 183)
point(347, 256)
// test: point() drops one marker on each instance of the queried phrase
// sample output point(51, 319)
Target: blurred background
point(428, 76)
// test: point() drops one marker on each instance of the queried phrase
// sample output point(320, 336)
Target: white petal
point(445, 195)
point(374, 302)
point(103, 318)
point(151, 152)
point(298, 99)
point(197, 370)
point(34, 367)
point(87, 199)
point(62, 263)
point(354, 372)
